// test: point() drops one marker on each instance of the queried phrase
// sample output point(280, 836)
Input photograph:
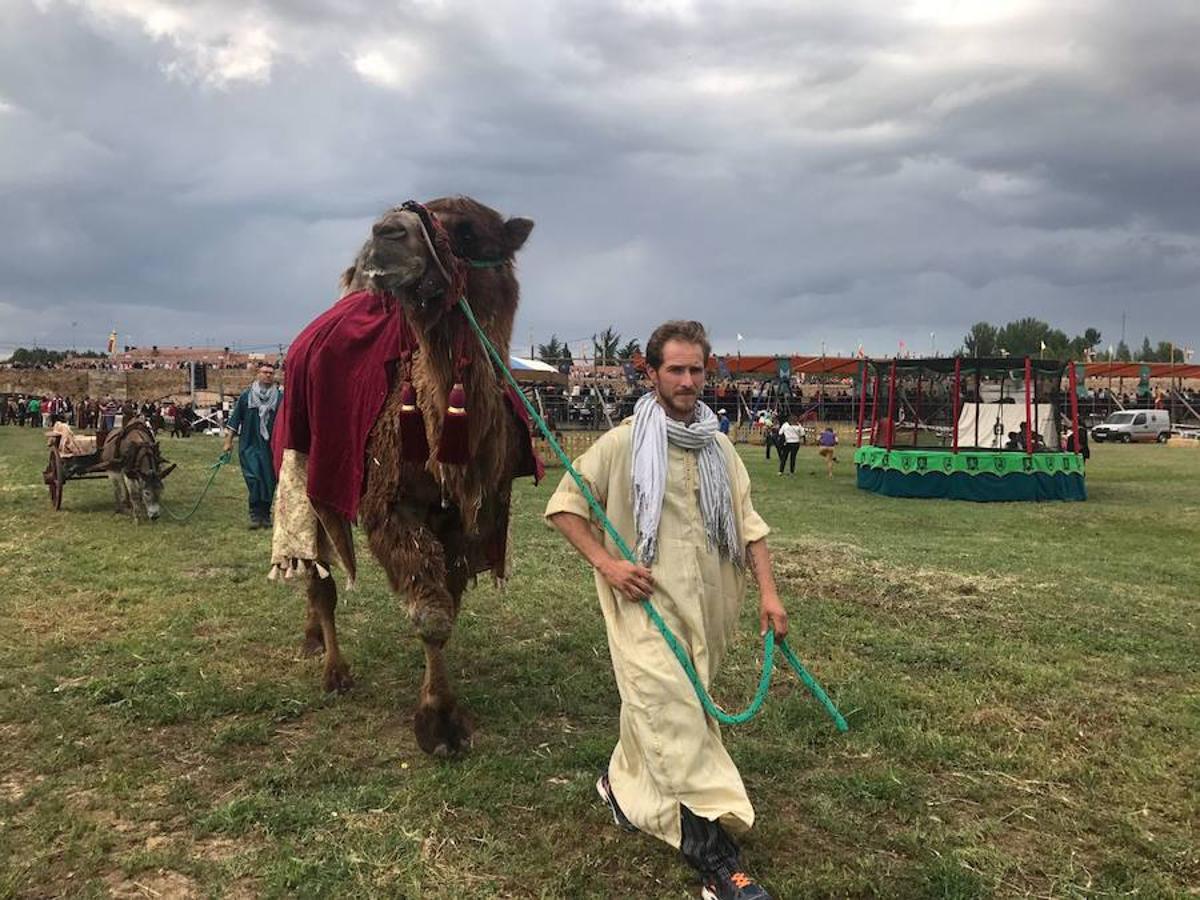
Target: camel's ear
point(516, 231)
point(347, 278)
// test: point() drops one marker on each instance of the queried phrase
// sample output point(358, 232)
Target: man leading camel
point(667, 475)
point(253, 419)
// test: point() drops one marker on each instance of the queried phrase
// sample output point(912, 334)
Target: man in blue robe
point(252, 419)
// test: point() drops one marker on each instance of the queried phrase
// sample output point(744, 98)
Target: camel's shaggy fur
point(431, 525)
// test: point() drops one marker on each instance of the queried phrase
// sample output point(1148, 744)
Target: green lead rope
point(770, 644)
point(213, 470)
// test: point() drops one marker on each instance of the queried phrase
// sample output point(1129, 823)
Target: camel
point(433, 525)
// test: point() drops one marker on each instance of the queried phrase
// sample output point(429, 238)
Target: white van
point(1135, 425)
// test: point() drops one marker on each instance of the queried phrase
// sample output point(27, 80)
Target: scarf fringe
point(652, 431)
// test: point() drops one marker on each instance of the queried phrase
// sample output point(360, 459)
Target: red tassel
point(455, 444)
point(414, 446)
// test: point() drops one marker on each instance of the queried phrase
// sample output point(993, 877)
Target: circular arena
point(970, 429)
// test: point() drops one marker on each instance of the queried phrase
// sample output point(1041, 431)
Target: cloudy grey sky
point(201, 171)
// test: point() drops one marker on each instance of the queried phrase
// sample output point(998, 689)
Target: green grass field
point(1022, 683)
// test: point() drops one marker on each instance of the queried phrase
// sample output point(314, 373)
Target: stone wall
point(131, 384)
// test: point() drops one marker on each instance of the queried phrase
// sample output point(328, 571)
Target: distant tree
point(605, 346)
point(980, 340)
point(555, 353)
point(630, 349)
point(1025, 337)
point(1083, 345)
point(1165, 350)
point(1146, 354)
point(1123, 354)
point(36, 356)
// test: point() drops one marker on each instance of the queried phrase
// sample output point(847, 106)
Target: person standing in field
point(828, 444)
point(253, 419)
point(668, 476)
point(723, 421)
point(790, 435)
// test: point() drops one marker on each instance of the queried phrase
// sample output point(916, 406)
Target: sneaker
point(604, 789)
point(732, 885)
point(254, 523)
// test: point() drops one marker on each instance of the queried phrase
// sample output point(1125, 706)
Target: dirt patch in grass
point(87, 621)
point(163, 883)
point(843, 572)
point(15, 785)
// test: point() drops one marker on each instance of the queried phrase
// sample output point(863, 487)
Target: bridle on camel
point(770, 643)
point(454, 442)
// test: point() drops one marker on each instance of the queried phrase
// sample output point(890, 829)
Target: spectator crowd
point(95, 413)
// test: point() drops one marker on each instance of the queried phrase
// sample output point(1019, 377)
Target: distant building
point(156, 357)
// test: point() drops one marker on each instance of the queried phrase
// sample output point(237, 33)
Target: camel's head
point(394, 259)
point(401, 257)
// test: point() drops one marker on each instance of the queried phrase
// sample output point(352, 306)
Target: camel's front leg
point(415, 562)
point(322, 601)
point(442, 727)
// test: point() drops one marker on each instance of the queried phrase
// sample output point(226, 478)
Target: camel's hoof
point(338, 679)
point(443, 731)
point(433, 625)
point(312, 646)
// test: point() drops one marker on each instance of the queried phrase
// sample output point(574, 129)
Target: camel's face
point(397, 259)
point(395, 256)
point(478, 232)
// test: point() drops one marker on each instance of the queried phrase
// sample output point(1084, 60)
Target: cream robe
point(670, 751)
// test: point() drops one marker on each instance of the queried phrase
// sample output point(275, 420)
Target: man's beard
point(681, 404)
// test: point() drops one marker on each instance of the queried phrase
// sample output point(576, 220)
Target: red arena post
point(1071, 381)
point(891, 422)
point(1028, 405)
point(957, 395)
point(875, 407)
point(862, 404)
point(917, 410)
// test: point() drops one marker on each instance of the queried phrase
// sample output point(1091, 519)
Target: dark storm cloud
point(202, 171)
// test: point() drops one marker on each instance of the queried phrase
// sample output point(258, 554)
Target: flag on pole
point(739, 337)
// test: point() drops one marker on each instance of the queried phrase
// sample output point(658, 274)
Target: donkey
point(135, 470)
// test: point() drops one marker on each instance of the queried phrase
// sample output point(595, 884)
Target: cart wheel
point(54, 478)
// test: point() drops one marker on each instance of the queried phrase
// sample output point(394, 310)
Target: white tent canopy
point(996, 420)
point(534, 371)
point(522, 364)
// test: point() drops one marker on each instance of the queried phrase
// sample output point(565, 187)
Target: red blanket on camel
point(338, 374)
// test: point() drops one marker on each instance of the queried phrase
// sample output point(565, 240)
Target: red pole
point(1028, 405)
point(862, 404)
point(1071, 381)
point(917, 411)
point(957, 393)
point(891, 422)
point(875, 408)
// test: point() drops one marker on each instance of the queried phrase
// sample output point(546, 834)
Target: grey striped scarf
point(652, 430)
point(265, 400)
